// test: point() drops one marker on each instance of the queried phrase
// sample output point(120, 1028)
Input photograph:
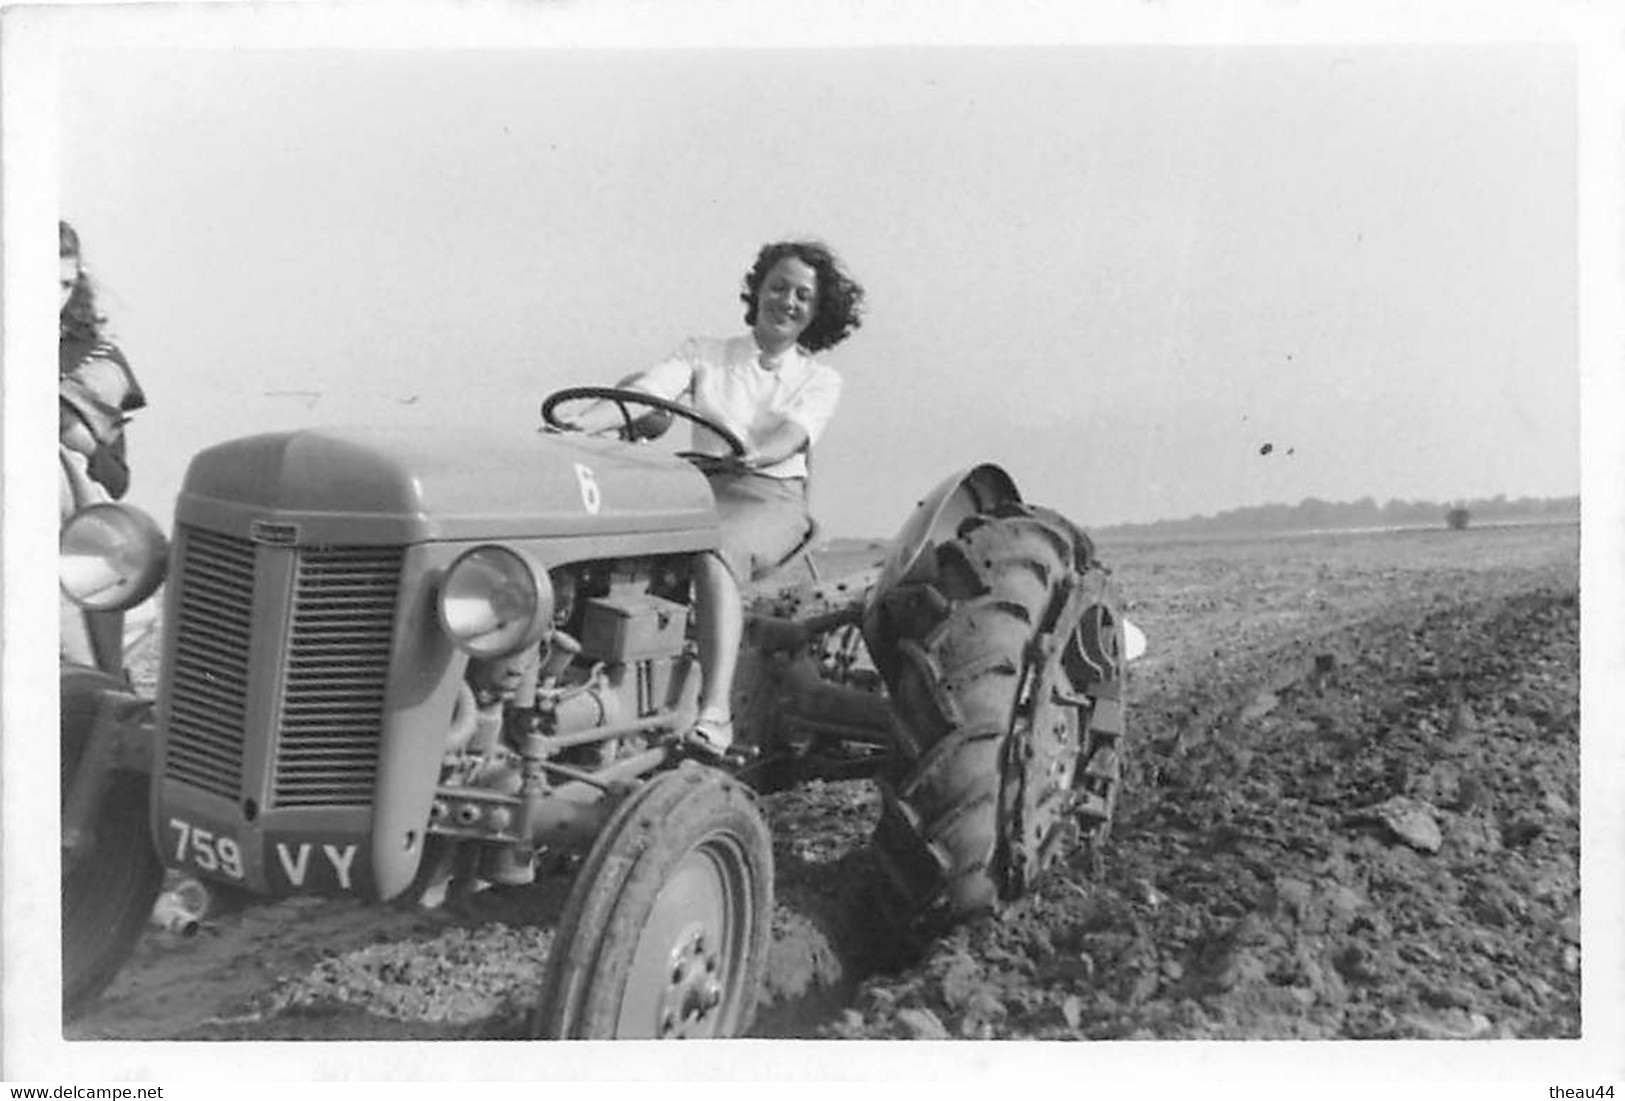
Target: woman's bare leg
point(721, 613)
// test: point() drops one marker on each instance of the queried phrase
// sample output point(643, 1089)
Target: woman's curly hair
point(840, 298)
point(79, 320)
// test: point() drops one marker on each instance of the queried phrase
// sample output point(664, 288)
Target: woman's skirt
point(762, 520)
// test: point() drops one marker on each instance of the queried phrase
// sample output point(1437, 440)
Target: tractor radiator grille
point(338, 664)
point(319, 670)
point(209, 687)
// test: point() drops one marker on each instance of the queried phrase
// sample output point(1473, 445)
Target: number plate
point(206, 850)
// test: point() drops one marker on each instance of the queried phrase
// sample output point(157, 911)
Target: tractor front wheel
point(109, 886)
point(665, 933)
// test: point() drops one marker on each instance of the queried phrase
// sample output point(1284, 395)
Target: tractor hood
point(377, 485)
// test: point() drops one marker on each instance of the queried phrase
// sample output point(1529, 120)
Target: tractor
point(396, 661)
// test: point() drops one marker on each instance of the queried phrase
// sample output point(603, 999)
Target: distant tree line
point(1312, 513)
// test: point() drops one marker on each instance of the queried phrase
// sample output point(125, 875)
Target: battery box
point(622, 628)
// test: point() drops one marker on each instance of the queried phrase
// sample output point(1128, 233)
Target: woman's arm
point(800, 424)
point(669, 378)
point(593, 417)
point(775, 445)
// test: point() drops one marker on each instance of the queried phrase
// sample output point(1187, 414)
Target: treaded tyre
point(108, 890)
point(665, 932)
point(1001, 651)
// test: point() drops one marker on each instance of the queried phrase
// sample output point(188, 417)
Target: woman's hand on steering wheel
point(570, 427)
point(620, 397)
point(747, 463)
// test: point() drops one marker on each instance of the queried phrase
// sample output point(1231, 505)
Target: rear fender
point(938, 516)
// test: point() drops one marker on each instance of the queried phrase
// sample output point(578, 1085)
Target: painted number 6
point(591, 499)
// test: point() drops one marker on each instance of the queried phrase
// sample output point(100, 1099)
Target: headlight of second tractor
point(111, 557)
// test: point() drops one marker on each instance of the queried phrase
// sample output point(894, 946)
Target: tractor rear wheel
point(1002, 656)
point(110, 886)
point(665, 933)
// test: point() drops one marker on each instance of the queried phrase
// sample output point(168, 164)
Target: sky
point(1117, 270)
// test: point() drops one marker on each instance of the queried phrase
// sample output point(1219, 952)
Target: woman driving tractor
point(767, 389)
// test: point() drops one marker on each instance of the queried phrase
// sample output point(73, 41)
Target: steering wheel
point(622, 396)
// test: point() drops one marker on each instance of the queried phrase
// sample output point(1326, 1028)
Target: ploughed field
point(1352, 811)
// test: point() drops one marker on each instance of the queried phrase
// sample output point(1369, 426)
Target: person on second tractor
point(95, 377)
point(97, 392)
point(767, 388)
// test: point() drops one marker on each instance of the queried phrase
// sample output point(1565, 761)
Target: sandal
point(711, 739)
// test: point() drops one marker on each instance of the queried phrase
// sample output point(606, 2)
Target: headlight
point(495, 601)
point(112, 557)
